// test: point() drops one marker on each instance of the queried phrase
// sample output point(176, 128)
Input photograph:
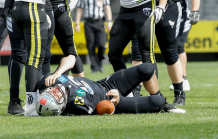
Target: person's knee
point(47, 57)
point(147, 71)
point(156, 100)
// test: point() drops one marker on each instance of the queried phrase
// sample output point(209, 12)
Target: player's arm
point(72, 4)
point(66, 64)
point(116, 97)
point(195, 16)
point(79, 14)
point(159, 11)
point(107, 9)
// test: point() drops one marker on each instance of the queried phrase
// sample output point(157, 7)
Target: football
point(105, 106)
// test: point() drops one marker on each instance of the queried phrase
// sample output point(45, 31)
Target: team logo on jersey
point(88, 87)
point(61, 7)
point(171, 23)
point(147, 11)
point(43, 101)
point(14, 8)
point(62, 79)
point(79, 101)
point(30, 99)
point(81, 92)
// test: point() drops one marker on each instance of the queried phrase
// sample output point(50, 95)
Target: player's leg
point(46, 62)
point(34, 27)
point(100, 39)
point(148, 104)
point(64, 32)
point(166, 33)
point(121, 33)
point(3, 31)
point(15, 65)
point(78, 70)
point(183, 35)
point(91, 46)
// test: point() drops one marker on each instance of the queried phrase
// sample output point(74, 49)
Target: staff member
point(94, 28)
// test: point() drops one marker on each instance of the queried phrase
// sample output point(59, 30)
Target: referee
point(94, 28)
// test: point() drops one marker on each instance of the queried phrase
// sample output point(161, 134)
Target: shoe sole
point(15, 114)
point(178, 104)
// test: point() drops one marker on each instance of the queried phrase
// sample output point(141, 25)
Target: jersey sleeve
point(81, 4)
point(106, 2)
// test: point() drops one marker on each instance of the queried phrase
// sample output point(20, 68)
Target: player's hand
point(51, 79)
point(48, 21)
point(116, 97)
point(6, 11)
point(77, 28)
point(158, 14)
point(109, 25)
point(194, 17)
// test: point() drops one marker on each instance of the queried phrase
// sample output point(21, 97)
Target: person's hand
point(51, 79)
point(116, 97)
point(77, 28)
point(194, 17)
point(158, 14)
point(6, 11)
point(48, 21)
point(109, 25)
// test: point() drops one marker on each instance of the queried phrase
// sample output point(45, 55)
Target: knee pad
point(47, 57)
point(169, 51)
point(147, 71)
point(157, 100)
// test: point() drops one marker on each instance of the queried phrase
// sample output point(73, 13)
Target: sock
point(14, 93)
point(31, 98)
point(178, 86)
point(158, 93)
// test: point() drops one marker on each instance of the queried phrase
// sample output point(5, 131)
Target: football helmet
point(52, 101)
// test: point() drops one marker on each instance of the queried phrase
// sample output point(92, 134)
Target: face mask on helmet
point(52, 101)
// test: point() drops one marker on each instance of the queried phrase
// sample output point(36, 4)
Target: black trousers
point(3, 31)
point(167, 32)
point(95, 38)
point(129, 22)
point(64, 34)
point(125, 81)
point(32, 22)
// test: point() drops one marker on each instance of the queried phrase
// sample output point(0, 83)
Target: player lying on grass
point(79, 95)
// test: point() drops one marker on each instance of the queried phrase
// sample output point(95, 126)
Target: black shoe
point(15, 107)
point(179, 98)
point(136, 91)
point(170, 108)
point(94, 71)
point(101, 68)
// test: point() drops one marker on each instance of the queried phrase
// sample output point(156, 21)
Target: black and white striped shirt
point(93, 8)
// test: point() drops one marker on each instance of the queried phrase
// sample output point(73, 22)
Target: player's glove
point(194, 17)
point(72, 4)
point(48, 21)
point(158, 13)
point(6, 11)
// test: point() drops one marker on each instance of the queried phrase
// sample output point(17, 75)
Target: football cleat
point(171, 109)
point(136, 91)
point(179, 97)
point(30, 110)
point(186, 85)
point(15, 107)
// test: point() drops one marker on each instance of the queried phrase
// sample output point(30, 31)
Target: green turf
point(200, 121)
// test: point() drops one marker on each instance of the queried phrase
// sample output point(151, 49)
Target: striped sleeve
point(106, 2)
point(81, 4)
